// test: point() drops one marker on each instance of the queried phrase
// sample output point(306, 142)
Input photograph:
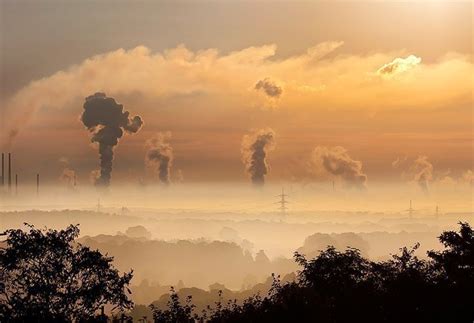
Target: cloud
point(313, 80)
point(255, 148)
point(336, 162)
point(399, 65)
point(449, 181)
point(269, 87)
point(159, 156)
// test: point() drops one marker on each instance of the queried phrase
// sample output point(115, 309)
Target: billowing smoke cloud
point(422, 171)
point(399, 162)
point(105, 119)
point(335, 161)
point(399, 65)
point(179, 71)
point(254, 149)
point(68, 175)
point(270, 88)
point(419, 170)
point(159, 156)
point(468, 177)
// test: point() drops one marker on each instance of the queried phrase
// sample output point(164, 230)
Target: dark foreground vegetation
point(45, 276)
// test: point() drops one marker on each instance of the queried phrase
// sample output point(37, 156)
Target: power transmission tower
point(282, 202)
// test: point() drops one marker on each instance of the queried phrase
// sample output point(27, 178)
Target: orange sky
point(378, 92)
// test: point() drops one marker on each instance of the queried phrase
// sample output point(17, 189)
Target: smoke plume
point(335, 161)
point(68, 175)
point(159, 156)
point(254, 153)
point(105, 119)
point(468, 177)
point(422, 171)
point(269, 87)
point(419, 170)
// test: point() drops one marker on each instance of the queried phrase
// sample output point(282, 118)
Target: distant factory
point(6, 179)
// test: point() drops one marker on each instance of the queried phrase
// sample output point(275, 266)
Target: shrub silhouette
point(46, 277)
point(345, 287)
point(176, 312)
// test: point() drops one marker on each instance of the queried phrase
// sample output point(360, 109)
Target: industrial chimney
point(9, 172)
point(3, 169)
point(37, 183)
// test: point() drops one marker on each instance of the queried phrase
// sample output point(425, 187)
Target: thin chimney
point(37, 183)
point(3, 169)
point(9, 171)
point(16, 184)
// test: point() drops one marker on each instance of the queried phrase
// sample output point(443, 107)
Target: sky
point(357, 92)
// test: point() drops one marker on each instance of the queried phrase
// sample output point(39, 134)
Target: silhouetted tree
point(345, 287)
point(457, 260)
point(455, 272)
point(45, 276)
point(176, 312)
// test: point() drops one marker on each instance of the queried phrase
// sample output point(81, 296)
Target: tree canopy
point(46, 276)
point(344, 286)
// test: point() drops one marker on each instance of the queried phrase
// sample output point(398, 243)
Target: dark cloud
point(254, 153)
point(105, 119)
point(337, 162)
point(269, 87)
point(159, 156)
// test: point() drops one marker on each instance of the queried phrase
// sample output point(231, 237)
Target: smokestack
point(16, 184)
point(37, 183)
point(3, 169)
point(9, 171)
